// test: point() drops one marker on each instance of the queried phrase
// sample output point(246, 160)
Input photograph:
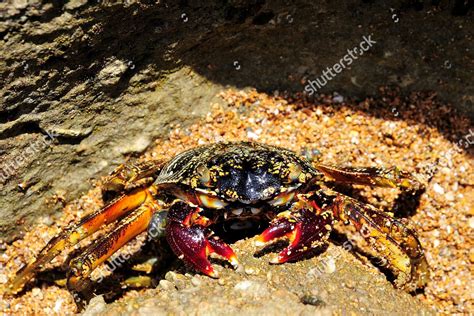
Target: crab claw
point(190, 245)
point(222, 249)
point(304, 228)
point(193, 243)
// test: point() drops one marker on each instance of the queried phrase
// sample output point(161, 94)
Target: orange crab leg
point(132, 225)
point(116, 209)
point(385, 177)
point(76, 232)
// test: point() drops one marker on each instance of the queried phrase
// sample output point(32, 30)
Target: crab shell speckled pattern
point(244, 172)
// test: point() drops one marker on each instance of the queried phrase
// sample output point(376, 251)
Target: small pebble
point(112, 72)
point(252, 135)
point(252, 288)
point(249, 270)
point(166, 285)
point(96, 306)
point(3, 278)
point(269, 276)
point(47, 220)
point(196, 281)
point(449, 196)
point(471, 257)
point(438, 189)
point(338, 98)
point(243, 285)
point(330, 265)
point(170, 276)
point(449, 229)
point(36, 292)
point(58, 305)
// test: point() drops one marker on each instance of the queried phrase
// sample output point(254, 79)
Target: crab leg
point(76, 232)
point(390, 237)
point(385, 177)
point(129, 227)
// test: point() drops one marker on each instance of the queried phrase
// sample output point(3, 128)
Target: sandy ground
point(417, 134)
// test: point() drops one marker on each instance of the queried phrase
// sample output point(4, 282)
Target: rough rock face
point(334, 282)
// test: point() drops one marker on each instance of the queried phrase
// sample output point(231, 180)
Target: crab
point(181, 200)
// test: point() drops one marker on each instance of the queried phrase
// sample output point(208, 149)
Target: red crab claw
point(304, 228)
point(193, 242)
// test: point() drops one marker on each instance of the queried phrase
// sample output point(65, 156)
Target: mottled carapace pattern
point(247, 172)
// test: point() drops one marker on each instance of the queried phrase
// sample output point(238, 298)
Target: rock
point(37, 293)
point(166, 285)
point(96, 306)
point(137, 145)
point(438, 189)
point(195, 281)
point(74, 4)
point(20, 4)
point(112, 72)
point(252, 288)
point(350, 289)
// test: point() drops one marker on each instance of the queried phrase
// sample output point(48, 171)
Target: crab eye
point(211, 201)
point(294, 172)
point(117, 180)
point(282, 199)
point(204, 174)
